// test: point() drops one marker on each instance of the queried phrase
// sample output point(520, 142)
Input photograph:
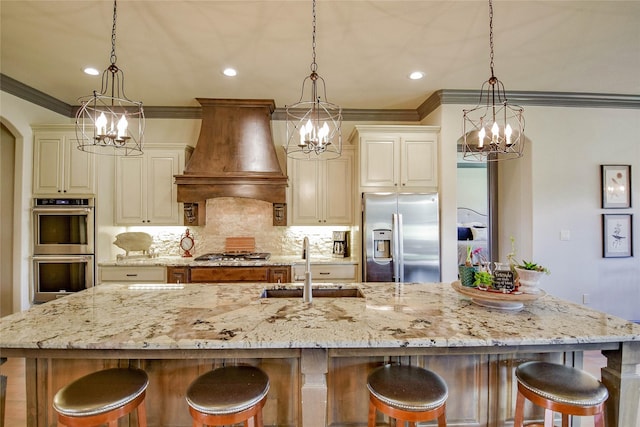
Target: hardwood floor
point(16, 403)
point(16, 407)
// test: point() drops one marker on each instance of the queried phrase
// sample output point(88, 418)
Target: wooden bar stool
point(407, 393)
point(102, 397)
point(228, 395)
point(559, 388)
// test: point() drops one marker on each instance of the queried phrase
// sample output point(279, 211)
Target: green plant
point(526, 265)
point(483, 278)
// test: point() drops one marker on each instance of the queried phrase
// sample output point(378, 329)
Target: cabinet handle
point(324, 273)
point(132, 275)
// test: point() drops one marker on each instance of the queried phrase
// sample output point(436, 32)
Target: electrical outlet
point(565, 235)
point(586, 298)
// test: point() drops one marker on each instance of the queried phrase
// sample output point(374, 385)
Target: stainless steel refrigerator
point(400, 237)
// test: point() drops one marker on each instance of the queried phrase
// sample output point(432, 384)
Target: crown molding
point(34, 96)
point(531, 98)
point(435, 100)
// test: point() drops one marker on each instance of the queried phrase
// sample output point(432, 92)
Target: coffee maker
point(341, 244)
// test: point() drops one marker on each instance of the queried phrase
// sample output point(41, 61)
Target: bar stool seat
point(407, 393)
point(102, 397)
point(228, 395)
point(559, 388)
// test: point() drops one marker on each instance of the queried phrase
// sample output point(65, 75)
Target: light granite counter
point(423, 324)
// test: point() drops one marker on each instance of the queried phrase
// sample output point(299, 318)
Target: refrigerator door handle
point(395, 254)
point(400, 250)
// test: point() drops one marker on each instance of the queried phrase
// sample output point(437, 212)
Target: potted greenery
point(528, 273)
point(483, 279)
point(469, 268)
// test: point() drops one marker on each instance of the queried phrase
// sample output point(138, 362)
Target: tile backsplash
point(237, 217)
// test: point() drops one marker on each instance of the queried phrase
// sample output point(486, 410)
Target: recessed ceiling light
point(91, 71)
point(230, 72)
point(416, 75)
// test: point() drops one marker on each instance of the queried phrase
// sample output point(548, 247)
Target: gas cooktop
point(234, 256)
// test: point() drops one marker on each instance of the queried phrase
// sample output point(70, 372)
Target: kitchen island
point(317, 355)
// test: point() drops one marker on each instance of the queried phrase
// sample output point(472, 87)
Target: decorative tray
point(499, 300)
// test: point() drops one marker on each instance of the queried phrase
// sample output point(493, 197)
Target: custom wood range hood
point(234, 157)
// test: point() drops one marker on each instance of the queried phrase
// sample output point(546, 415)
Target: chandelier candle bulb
point(122, 128)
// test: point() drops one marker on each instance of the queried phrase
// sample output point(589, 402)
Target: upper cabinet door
point(321, 191)
point(59, 168)
point(145, 190)
point(338, 179)
point(397, 158)
point(419, 167)
point(379, 162)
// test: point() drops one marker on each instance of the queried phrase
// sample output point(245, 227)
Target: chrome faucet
point(307, 294)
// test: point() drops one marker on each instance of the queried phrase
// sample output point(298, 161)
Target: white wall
point(568, 147)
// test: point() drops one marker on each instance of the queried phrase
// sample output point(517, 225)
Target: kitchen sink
point(317, 293)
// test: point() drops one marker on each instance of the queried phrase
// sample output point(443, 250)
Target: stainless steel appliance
point(63, 226)
point(400, 237)
point(341, 244)
point(63, 250)
point(55, 276)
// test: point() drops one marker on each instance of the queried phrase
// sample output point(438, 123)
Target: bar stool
point(559, 388)
point(102, 397)
point(228, 395)
point(407, 393)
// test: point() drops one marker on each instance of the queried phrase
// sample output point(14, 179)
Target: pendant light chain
point(491, 37)
point(314, 64)
point(113, 57)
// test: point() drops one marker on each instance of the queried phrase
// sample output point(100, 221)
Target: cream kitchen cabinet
point(321, 191)
point(137, 274)
point(397, 158)
point(59, 168)
point(325, 272)
point(145, 190)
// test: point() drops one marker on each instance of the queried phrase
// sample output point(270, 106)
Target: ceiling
point(174, 51)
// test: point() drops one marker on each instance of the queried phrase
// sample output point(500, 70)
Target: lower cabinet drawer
point(229, 274)
point(327, 272)
point(273, 274)
point(133, 274)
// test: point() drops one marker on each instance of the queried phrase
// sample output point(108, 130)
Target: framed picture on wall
point(616, 186)
point(617, 235)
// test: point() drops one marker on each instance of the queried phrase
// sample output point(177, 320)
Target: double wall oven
point(64, 246)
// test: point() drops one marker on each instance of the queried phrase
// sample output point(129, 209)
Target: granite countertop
point(173, 261)
point(233, 316)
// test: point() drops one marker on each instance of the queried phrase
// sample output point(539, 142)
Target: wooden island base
point(310, 387)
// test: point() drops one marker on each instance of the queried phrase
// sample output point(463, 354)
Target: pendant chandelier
point(313, 126)
point(494, 129)
point(108, 122)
